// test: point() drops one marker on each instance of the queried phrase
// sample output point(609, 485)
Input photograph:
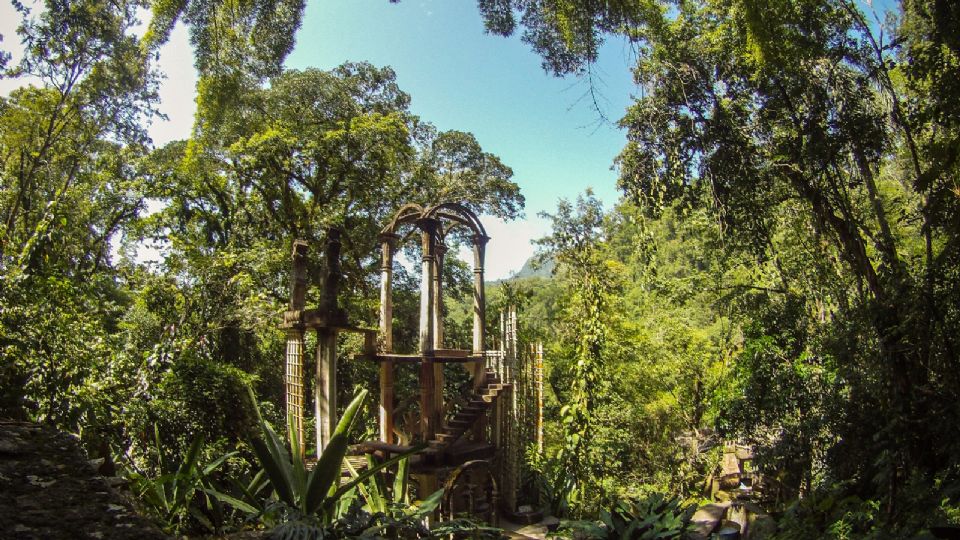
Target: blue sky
point(458, 77)
point(544, 127)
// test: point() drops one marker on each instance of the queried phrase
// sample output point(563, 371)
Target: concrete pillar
point(427, 283)
point(326, 389)
point(294, 382)
point(389, 245)
point(428, 404)
point(386, 401)
point(428, 410)
point(438, 380)
point(479, 308)
point(293, 373)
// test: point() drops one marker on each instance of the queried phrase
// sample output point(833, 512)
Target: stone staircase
point(468, 415)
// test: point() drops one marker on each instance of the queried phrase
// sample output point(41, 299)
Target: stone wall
point(49, 490)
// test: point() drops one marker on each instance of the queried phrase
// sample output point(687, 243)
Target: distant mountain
point(545, 270)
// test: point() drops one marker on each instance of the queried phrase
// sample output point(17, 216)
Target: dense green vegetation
point(788, 240)
point(781, 269)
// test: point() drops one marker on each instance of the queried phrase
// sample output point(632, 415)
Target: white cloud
point(178, 91)
point(9, 21)
point(510, 245)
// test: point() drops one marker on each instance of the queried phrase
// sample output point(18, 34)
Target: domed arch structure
point(434, 224)
point(491, 420)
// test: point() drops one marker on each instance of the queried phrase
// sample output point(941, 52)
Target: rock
point(116, 481)
point(730, 465)
point(706, 519)
point(49, 491)
point(8, 446)
point(730, 482)
point(723, 496)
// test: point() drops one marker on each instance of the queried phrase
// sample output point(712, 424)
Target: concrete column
point(386, 401)
point(326, 389)
point(438, 380)
point(538, 377)
point(479, 307)
point(294, 381)
point(427, 283)
point(428, 410)
point(389, 245)
point(293, 375)
point(440, 250)
point(428, 404)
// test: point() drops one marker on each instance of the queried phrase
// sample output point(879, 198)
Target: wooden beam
point(417, 358)
point(369, 447)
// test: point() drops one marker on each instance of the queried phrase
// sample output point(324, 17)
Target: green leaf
point(400, 482)
point(276, 470)
point(328, 465)
point(429, 504)
point(299, 477)
point(217, 462)
point(232, 501)
point(370, 472)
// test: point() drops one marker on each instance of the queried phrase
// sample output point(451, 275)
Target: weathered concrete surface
point(705, 520)
point(48, 490)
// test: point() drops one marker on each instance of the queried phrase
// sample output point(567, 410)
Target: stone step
point(469, 413)
point(706, 519)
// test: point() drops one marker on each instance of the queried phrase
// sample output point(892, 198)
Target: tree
point(315, 151)
point(237, 45)
point(70, 149)
point(574, 243)
point(828, 154)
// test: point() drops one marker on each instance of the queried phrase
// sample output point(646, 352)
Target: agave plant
point(377, 496)
point(311, 499)
point(654, 517)
point(393, 513)
point(180, 489)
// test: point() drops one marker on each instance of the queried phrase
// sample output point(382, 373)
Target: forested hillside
point(780, 271)
point(783, 265)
